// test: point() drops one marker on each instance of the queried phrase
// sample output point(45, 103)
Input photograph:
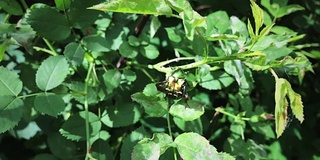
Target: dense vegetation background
point(205, 79)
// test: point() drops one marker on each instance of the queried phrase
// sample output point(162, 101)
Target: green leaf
point(191, 21)
point(189, 126)
point(154, 26)
point(163, 140)
point(49, 103)
point(288, 9)
point(81, 17)
point(11, 7)
point(150, 51)
point(188, 112)
point(215, 81)
point(154, 106)
point(257, 63)
point(61, 147)
point(74, 52)
point(217, 22)
point(112, 79)
point(10, 112)
point(238, 27)
point(179, 5)
point(78, 88)
point(128, 51)
point(3, 46)
point(121, 115)
point(134, 41)
point(266, 30)
point(74, 128)
point(257, 13)
point(273, 52)
point(150, 89)
point(129, 75)
point(10, 84)
point(44, 156)
point(145, 150)
point(62, 4)
point(156, 7)
point(96, 43)
point(241, 74)
point(131, 140)
point(194, 146)
point(250, 30)
point(49, 23)
point(52, 72)
point(101, 150)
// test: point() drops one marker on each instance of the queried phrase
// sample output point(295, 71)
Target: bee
point(173, 87)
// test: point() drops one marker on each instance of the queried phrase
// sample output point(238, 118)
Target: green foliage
point(159, 79)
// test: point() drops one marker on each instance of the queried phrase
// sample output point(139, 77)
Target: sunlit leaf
point(257, 13)
point(187, 112)
point(157, 7)
point(145, 150)
point(194, 146)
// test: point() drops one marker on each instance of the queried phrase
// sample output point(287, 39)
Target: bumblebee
point(173, 87)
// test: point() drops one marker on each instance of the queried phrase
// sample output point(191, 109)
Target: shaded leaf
point(10, 112)
point(96, 43)
point(101, 150)
point(74, 128)
point(74, 52)
point(121, 115)
point(49, 23)
point(10, 84)
point(49, 103)
point(112, 79)
point(52, 72)
point(11, 7)
point(60, 146)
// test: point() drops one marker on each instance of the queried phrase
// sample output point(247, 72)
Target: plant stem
point(88, 155)
point(169, 129)
point(221, 110)
point(29, 95)
point(50, 46)
point(273, 73)
point(44, 50)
